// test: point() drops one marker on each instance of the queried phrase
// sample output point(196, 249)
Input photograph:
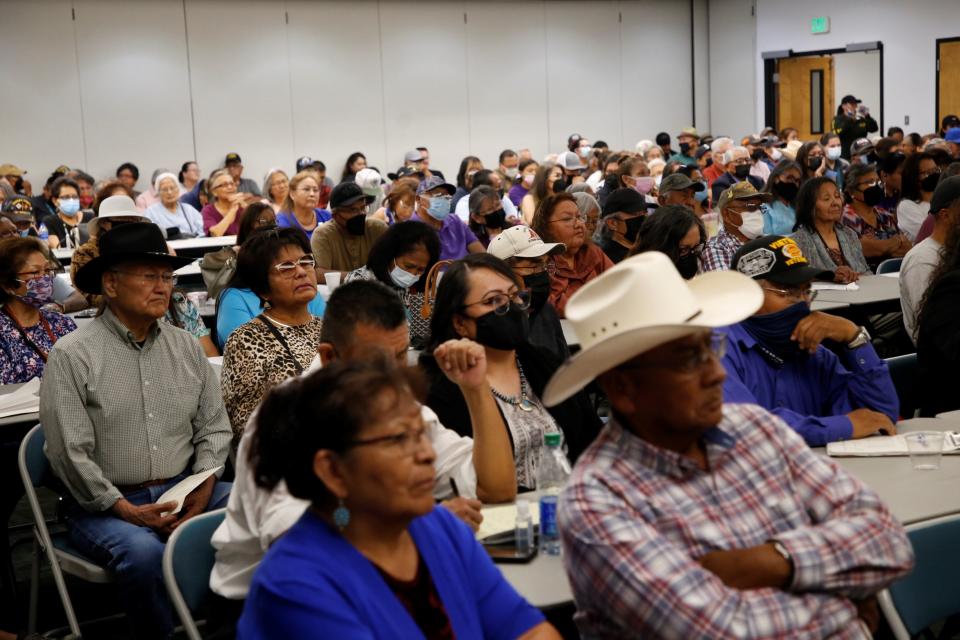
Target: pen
point(453, 485)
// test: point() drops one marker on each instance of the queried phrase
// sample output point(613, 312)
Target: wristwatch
point(862, 338)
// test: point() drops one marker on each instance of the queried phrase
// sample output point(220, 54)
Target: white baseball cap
point(521, 241)
point(369, 181)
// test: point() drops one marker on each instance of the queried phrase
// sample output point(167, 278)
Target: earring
point(341, 515)
point(266, 304)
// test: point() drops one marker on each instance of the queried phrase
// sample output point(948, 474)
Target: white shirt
point(760, 169)
point(257, 517)
point(595, 181)
point(463, 208)
point(910, 217)
point(915, 272)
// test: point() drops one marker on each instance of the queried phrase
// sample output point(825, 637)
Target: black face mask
point(758, 154)
point(633, 229)
point(708, 163)
point(684, 148)
point(506, 332)
point(814, 163)
point(786, 190)
point(688, 265)
point(357, 225)
point(741, 171)
point(18, 185)
point(610, 180)
point(559, 185)
point(539, 285)
point(930, 182)
point(495, 220)
point(872, 195)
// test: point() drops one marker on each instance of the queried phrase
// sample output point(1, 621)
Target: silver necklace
point(524, 400)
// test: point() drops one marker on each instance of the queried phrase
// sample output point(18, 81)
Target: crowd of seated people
point(440, 362)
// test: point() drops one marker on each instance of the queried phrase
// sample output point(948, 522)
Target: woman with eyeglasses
point(300, 209)
point(825, 242)
point(221, 216)
point(677, 232)
point(400, 259)
point(480, 298)
point(558, 219)
point(282, 340)
point(178, 218)
point(917, 183)
point(373, 556)
point(27, 331)
point(276, 188)
point(876, 227)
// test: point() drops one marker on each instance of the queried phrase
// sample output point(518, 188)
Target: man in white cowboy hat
point(689, 518)
point(529, 257)
point(130, 407)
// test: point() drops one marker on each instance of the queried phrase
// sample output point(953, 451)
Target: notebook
point(500, 522)
point(24, 400)
point(877, 446)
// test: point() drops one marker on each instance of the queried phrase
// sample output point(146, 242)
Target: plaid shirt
point(719, 251)
point(635, 518)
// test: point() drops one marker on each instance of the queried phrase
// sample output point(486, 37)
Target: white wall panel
point(733, 55)
point(40, 117)
point(858, 73)
point(656, 77)
point(506, 61)
point(241, 83)
point(583, 72)
point(335, 77)
point(424, 81)
point(136, 91)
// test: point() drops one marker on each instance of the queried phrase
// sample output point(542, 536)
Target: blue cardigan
point(239, 306)
point(314, 584)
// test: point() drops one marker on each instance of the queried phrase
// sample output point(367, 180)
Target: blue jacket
point(813, 393)
point(314, 584)
point(239, 306)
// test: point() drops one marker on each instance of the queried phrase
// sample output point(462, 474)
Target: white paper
point(26, 399)
point(501, 519)
point(877, 446)
point(834, 286)
point(895, 274)
point(182, 489)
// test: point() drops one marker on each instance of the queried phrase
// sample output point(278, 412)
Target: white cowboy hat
point(115, 207)
point(639, 305)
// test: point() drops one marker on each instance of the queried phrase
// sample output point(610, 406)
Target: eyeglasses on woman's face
point(500, 302)
point(289, 269)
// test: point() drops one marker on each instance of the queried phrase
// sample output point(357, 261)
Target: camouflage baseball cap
point(742, 191)
point(679, 182)
point(435, 182)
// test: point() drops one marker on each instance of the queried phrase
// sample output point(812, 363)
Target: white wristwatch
point(862, 338)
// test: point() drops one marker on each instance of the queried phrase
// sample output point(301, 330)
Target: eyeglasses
point(866, 185)
point(501, 301)
point(406, 442)
point(689, 360)
point(34, 275)
point(223, 184)
point(168, 190)
point(548, 267)
point(571, 220)
point(352, 211)
point(797, 295)
point(288, 269)
point(152, 279)
point(694, 250)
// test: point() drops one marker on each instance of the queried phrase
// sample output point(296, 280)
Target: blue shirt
point(813, 392)
point(288, 219)
point(239, 306)
point(314, 584)
point(778, 218)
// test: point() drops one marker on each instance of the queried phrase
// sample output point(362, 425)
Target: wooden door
point(948, 79)
point(800, 82)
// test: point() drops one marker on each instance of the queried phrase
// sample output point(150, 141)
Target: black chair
point(903, 372)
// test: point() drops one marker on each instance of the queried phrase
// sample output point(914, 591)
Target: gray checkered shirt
point(115, 413)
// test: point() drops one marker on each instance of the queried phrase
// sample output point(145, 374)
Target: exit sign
point(820, 25)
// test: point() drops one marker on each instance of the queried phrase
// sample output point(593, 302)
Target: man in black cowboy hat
point(130, 407)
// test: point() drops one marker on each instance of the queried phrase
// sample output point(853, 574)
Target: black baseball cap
point(232, 158)
point(346, 193)
point(849, 99)
point(946, 193)
point(778, 259)
point(663, 138)
point(626, 201)
point(306, 162)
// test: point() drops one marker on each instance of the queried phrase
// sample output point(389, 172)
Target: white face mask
point(752, 225)
point(511, 172)
point(833, 152)
point(775, 155)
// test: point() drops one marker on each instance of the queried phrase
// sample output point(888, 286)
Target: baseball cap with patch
point(679, 182)
point(778, 259)
point(19, 208)
point(520, 241)
point(435, 182)
point(861, 146)
point(742, 191)
point(303, 163)
point(232, 158)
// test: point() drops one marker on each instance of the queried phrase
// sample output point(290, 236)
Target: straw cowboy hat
point(639, 305)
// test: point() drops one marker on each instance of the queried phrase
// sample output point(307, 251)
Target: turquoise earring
point(341, 516)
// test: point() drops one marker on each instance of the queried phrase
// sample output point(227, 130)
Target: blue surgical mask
point(701, 196)
point(439, 207)
point(403, 279)
point(69, 205)
point(25, 233)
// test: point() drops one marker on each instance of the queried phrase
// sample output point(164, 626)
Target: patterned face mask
point(39, 291)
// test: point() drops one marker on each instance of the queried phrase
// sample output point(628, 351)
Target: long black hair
point(398, 239)
point(347, 171)
point(910, 176)
point(464, 167)
point(665, 228)
point(782, 167)
point(807, 202)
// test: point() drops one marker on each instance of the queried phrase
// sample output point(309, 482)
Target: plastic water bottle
point(42, 232)
point(524, 528)
point(551, 477)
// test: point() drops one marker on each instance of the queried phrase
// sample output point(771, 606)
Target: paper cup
point(925, 448)
point(333, 280)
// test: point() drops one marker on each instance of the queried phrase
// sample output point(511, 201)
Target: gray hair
point(728, 157)
point(480, 195)
point(721, 144)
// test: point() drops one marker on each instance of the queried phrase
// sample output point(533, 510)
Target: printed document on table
point(834, 286)
point(876, 446)
point(26, 399)
point(182, 489)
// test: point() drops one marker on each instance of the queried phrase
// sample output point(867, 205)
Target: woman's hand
point(845, 275)
point(463, 361)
